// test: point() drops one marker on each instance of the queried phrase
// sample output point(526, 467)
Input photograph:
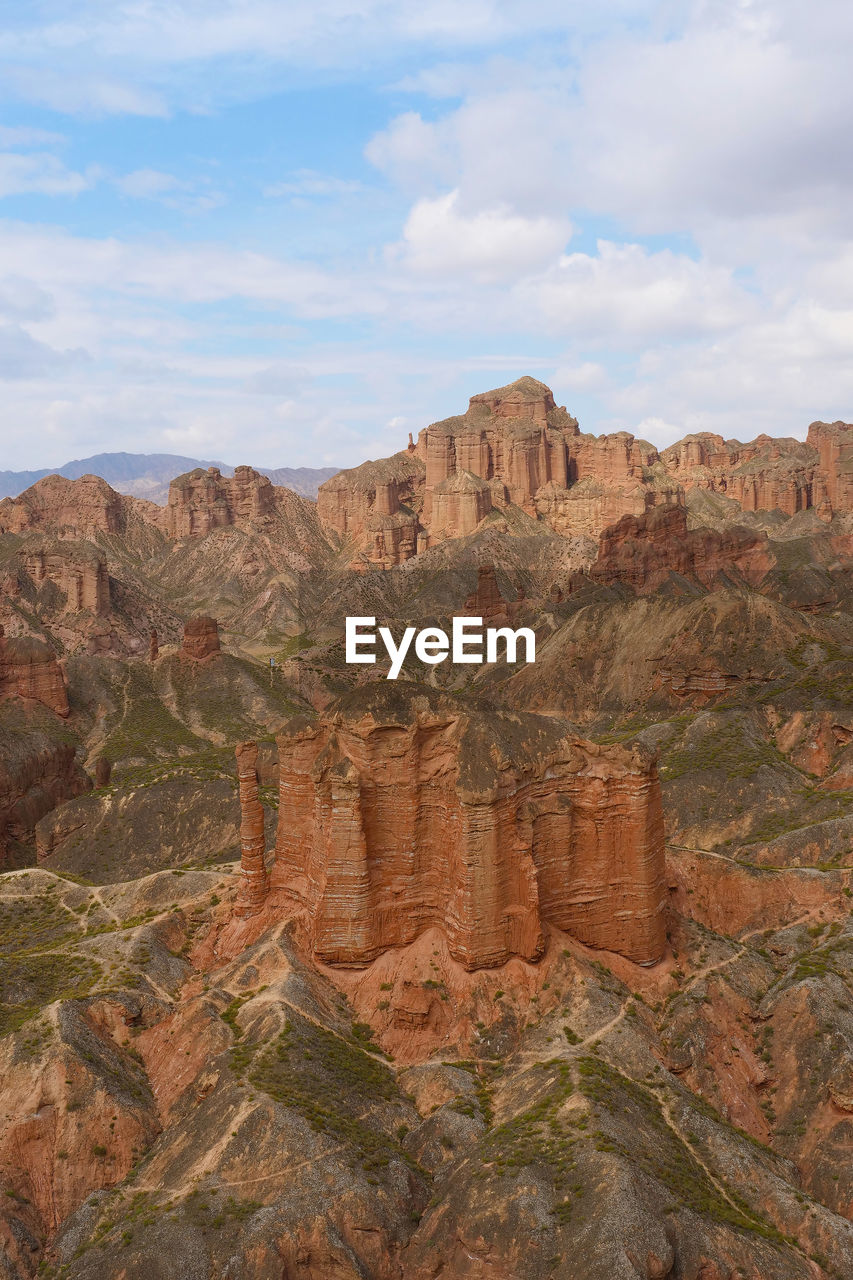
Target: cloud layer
point(648, 206)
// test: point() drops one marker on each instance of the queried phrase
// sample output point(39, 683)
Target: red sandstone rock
point(513, 445)
point(373, 507)
point(642, 551)
point(204, 500)
point(252, 845)
point(79, 571)
point(77, 507)
point(403, 811)
point(771, 474)
point(487, 602)
point(201, 639)
point(833, 481)
point(36, 775)
point(29, 669)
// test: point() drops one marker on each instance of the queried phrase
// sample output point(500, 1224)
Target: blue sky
point(288, 234)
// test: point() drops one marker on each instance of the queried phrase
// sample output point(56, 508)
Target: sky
point(288, 234)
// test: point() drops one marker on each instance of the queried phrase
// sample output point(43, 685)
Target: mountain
point(147, 475)
point(534, 969)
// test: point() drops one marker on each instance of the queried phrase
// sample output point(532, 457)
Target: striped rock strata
point(404, 810)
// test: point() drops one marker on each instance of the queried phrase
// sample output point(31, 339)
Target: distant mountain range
point(147, 475)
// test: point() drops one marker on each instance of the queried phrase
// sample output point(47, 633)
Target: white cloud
point(440, 237)
point(38, 172)
point(624, 292)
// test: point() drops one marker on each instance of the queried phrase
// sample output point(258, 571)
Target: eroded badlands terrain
point(497, 971)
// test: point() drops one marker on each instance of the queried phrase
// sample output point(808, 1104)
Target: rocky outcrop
point(77, 508)
point(513, 447)
point(405, 810)
point(771, 474)
point(78, 570)
point(253, 890)
point(29, 669)
point(153, 646)
point(486, 601)
point(201, 639)
point(37, 773)
point(642, 551)
point(201, 501)
point(374, 507)
point(833, 484)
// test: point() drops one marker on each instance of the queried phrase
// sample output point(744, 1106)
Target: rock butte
point(514, 447)
point(201, 639)
point(403, 809)
point(643, 550)
point(29, 669)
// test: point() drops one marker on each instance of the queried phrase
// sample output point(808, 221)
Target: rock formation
point(643, 550)
point(29, 669)
point(374, 507)
point(153, 646)
point(78, 508)
point(78, 570)
point(103, 769)
point(36, 775)
point(512, 447)
point(834, 478)
point(253, 890)
point(771, 474)
point(405, 810)
point(200, 501)
point(201, 639)
point(486, 601)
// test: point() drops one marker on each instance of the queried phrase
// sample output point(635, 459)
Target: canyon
point(537, 970)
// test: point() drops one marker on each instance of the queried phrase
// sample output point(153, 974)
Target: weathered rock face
point(405, 810)
point(486, 601)
point(36, 775)
point(201, 639)
point(153, 646)
point(78, 508)
point(515, 434)
point(771, 474)
point(29, 669)
point(643, 550)
point(375, 506)
point(80, 573)
point(834, 480)
point(252, 847)
point(513, 446)
point(201, 501)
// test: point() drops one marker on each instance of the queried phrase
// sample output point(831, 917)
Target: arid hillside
point(521, 971)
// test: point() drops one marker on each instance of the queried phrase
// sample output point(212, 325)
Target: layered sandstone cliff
point(201, 639)
point(512, 447)
point(37, 773)
point(203, 500)
point(77, 508)
point(29, 669)
point(79, 572)
point(643, 550)
point(770, 474)
point(375, 507)
point(405, 810)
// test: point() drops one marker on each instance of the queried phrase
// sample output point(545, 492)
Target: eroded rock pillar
point(253, 890)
